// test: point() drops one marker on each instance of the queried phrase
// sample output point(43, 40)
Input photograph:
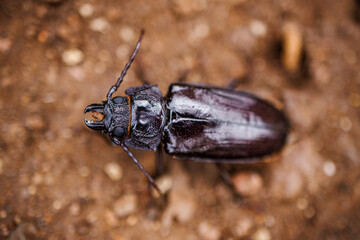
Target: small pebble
point(131, 220)
point(291, 187)
point(37, 179)
point(50, 97)
point(345, 124)
point(83, 193)
point(3, 214)
point(93, 216)
point(35, 122)
point(199, 32)
point(350, 56)
point(30, 31)
point(243, 227)
point(49, 180)
point(32, 189)
point(84, 171)
point(259, 219)
point(180, 207)
point(309, 212)
point(5, 44)
point(16, 130)
point(43, 36)
point(292, 48)
point(127, 34)
point(181, 203)
point(72, 56)
point(17, 219)
point(165, 183)
point(247, 183)
point(125, 205)
point(66, 133)
point(329, 168)
point(74, 209)
point(269, 220)
point(208, 231)
point(122, 51)
point(41, 11)
point(99, 25)
point(113, 171)
point(302, 203)
point(354, 100)
point(86, 10)
point(77, 73)
point(262, 234)
point(186, 7)
point(258, 28)
point(6, 81)
point(322, 74)
point(299, 170)
point(110, 218)
point(57, 204)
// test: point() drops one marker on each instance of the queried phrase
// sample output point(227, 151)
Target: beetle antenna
point(127, 66)
point(150, 179)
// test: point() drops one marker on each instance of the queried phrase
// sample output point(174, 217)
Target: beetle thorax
point(117, 116)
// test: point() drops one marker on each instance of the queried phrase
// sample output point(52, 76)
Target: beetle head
point(96, 119)
point(111, 116)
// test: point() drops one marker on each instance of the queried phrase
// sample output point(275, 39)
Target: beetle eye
point(119, 132)
point(119, 100)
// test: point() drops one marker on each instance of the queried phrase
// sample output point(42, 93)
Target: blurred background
point(60, 180)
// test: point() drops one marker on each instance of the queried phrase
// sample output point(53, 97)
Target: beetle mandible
point(201, 123)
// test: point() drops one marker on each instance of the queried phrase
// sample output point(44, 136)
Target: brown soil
point(60, 180)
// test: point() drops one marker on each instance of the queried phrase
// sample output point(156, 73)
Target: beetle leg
point(224, 174)
point(234, 82)
point(183, 76)
point(159, 161)
point(150, 179)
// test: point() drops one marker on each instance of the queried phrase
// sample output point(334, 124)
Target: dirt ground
point(60, 180)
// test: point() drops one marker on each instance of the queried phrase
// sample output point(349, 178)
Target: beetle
point(196, 122)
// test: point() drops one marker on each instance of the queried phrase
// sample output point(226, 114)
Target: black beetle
point(200, 123)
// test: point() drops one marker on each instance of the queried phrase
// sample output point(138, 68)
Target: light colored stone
point(186, 7)
point(329, 168)
point(292, 48)
point(125, 205)
point(99, 25)
point(247, 183)
point(86, 10)
point(243, 227)
point(110, 218)
point(345, 124)
point(208, 232)
point(35, 122)
point(258, 28)
point(113, 171)
point(72, 56)
point(262, 234)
